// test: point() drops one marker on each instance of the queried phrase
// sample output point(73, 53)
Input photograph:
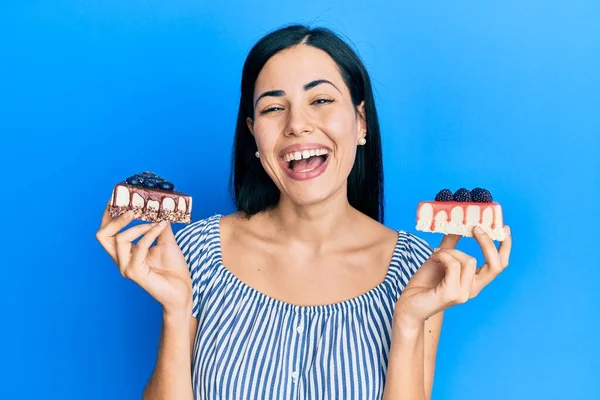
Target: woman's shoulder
point(200, 224)
point(412, 250)
point(378, 232)
point(206, 228)
point(200, 230)
point(407, 242)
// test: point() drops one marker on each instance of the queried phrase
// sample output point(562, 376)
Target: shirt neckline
point(322, 308)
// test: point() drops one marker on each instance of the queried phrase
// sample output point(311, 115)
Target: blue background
point(500, 94)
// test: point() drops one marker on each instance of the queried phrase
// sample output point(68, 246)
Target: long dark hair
point(252, 189)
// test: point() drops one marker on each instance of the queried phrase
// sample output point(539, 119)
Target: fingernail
point(507, 229)
point(436, 249)
point(479, 230)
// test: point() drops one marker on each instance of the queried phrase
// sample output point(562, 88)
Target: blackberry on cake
point(152, 198)
point(460, 214)
point(462, 195)
point(480, 195)
point(444, 195)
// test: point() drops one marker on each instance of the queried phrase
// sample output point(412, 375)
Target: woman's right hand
point(161, 270)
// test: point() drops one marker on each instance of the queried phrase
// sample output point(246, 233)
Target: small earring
point(257, 154)
point(362, 141)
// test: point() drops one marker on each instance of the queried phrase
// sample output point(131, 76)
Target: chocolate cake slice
point(152, 198)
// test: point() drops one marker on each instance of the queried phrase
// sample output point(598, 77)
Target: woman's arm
point(172, 376)
point(412, 359)
point(433, 328)
point(448, 277)
point(405, 377)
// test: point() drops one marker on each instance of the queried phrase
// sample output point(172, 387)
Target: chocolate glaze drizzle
point(154, 194)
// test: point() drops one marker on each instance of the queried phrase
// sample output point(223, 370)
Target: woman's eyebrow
point(318, 82)
point(271, 93)
point(308, 86)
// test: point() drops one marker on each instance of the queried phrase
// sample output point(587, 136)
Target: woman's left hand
point(450, 277)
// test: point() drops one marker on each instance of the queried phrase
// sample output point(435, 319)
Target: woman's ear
point(362, 121)
point(250, 125)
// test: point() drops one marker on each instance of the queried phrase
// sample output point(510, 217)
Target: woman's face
point(305, 124)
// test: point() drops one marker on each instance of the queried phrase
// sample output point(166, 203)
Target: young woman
point(303, 293)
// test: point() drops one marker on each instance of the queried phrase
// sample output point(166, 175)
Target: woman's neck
point(314, 224)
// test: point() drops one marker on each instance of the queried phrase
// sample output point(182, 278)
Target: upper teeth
point(299, 155)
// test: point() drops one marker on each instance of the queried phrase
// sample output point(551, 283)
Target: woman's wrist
point(407, 326)
point(176, 315)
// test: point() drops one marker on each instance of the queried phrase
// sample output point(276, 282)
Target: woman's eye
point(275, 108)
point(270, 109)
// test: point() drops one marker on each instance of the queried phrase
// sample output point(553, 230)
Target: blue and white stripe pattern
point(250, 346)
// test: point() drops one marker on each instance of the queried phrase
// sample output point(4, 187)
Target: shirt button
point(295, 375)
point(300, 329)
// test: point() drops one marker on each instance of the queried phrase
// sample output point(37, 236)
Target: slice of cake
point(152, 198)
point(458, 213)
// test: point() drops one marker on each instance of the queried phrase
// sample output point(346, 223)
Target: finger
point(107, 241)
point(492, 266)
point(123, 249)
point(449, 241)
point(505, 248)
point(468, 268)
point(166, 236)
point(124, 245)
point(106, 217)
point(133, 233)
point(448, 291)
point(113, 227)
point(143, 246)
point(147, 240)
point(461, 257)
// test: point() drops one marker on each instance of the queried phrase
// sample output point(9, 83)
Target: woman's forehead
point(293, 68)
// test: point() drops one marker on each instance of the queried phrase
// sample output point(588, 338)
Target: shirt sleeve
point(419, 251)
point(199, 244)
point(412, 254)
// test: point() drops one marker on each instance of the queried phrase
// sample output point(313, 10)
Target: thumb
point(449, 241)
point(166, 236)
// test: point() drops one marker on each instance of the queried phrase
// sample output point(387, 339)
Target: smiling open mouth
point(306, 164)
point(306, 161)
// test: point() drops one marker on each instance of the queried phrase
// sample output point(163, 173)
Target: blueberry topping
point(150, 180)
point(481, 195)
point(133, 181)
point(150, 183)
point(165, 185)
point(140, 177)
point(444, 195)
point(462, 195)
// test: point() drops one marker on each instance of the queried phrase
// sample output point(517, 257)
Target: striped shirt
point(251, 346)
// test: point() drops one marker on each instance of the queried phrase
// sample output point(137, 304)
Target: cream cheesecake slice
point(460, 214)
